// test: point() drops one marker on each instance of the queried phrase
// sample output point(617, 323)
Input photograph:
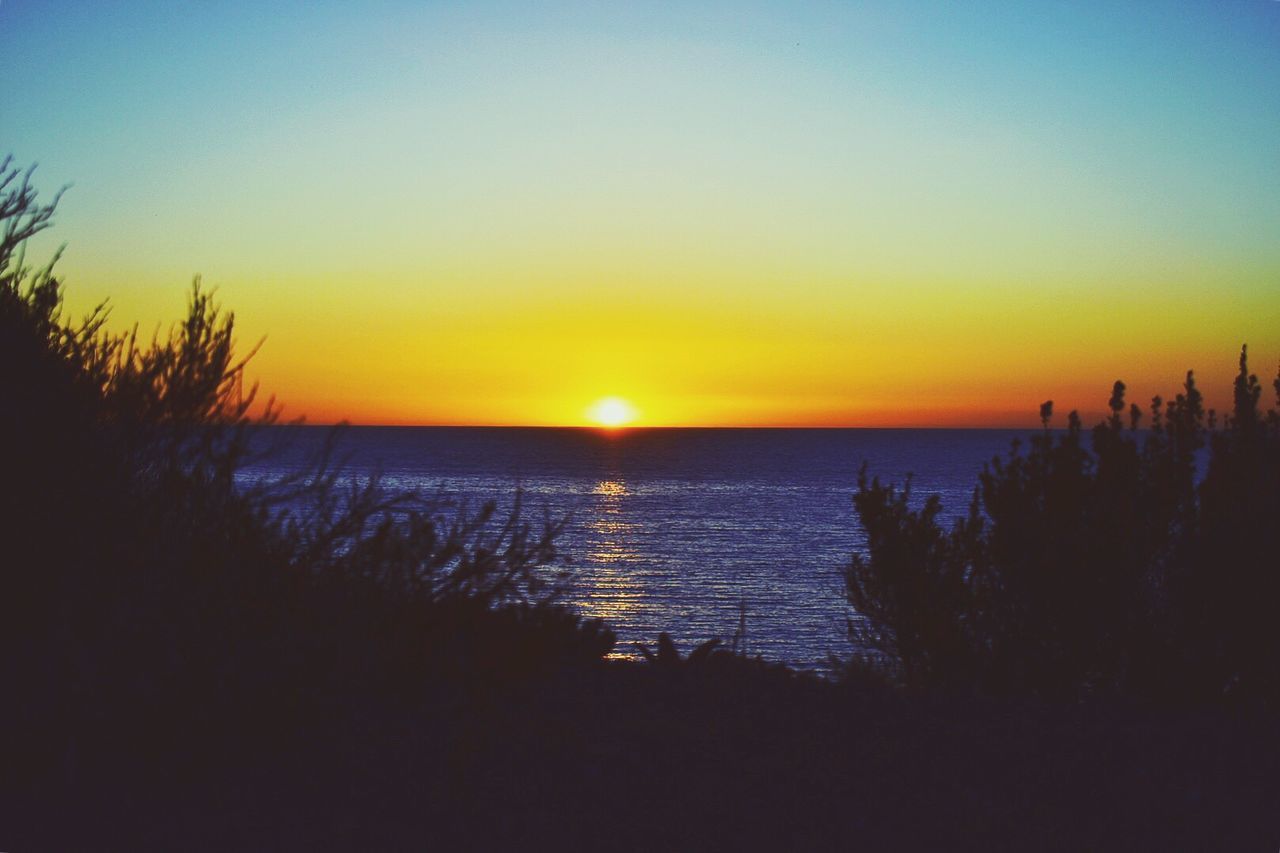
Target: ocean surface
point(681, 530)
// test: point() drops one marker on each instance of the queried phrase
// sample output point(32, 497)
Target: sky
point(742, 214)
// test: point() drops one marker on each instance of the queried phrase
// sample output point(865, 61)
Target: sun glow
point(611, 412)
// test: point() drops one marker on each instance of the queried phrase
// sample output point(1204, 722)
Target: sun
point(611, 412)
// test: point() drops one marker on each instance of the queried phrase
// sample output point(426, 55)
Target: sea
point(699, 533)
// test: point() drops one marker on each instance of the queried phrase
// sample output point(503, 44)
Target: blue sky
point(920, 188)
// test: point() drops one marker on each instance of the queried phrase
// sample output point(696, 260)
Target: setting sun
point(611, 412)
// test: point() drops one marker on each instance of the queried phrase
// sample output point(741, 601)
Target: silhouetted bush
point(1143, 563)
point(153, 604)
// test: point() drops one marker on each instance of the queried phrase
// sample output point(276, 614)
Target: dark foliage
point(1133, 560)
point(192, 660)
point(156, 610)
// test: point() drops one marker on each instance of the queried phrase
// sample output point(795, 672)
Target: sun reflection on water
point(611, 540)
point(611, 489)
point(610, 587)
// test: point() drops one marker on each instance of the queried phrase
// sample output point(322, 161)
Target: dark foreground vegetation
point(191, 662)
point(1146, 565)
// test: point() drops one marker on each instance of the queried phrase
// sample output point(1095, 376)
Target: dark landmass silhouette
point(193, 662)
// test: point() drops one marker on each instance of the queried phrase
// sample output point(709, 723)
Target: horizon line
point(639, 427)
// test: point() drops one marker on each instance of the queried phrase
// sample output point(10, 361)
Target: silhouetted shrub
point(1142, 563)
point(152, 603)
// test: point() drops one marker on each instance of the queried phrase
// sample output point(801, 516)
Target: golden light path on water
point(615, 587)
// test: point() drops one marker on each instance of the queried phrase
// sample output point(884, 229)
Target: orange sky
point(881, 214)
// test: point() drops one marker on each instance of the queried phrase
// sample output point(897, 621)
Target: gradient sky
point(859, 214)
